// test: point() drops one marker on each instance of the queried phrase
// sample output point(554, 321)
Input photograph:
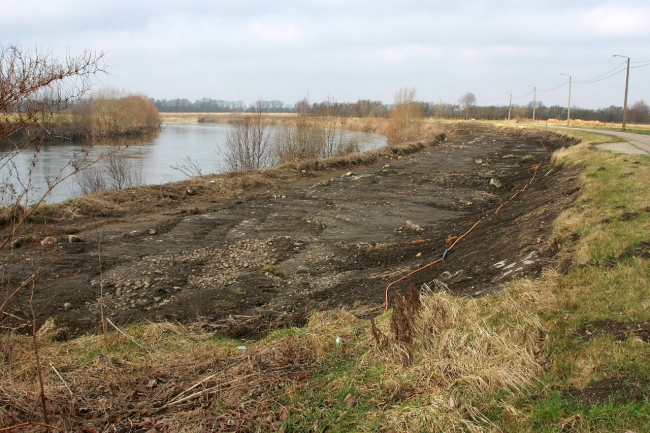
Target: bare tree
point(639, 112)
point(466, 101)
point(248, 144)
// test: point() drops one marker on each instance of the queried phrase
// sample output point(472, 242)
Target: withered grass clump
point(175, 379)
point(460, 351)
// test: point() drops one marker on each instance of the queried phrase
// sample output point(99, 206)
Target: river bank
point(272, 246)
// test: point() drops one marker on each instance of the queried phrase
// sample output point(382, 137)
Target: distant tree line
point(464, 108)
point(208, 105)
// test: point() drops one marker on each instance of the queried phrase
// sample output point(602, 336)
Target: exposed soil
point(330, 238)
point(619, 389)
point(641, 250)
point(619, 331)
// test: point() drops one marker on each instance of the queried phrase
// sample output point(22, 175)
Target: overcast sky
point(349, 50)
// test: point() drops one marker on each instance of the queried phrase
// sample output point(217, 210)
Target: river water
point(155, 158)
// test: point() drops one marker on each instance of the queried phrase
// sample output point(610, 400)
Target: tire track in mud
point(332, 239)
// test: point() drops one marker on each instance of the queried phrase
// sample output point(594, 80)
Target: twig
point(61, 377)
point(36, 353)
point(207, 390)
point(101, 287)
point(131, 339)
point(176, 399)
point(172, 401)
point(27, 424)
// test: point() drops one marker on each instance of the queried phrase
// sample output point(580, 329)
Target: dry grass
point(463, 350)
point(178, 380)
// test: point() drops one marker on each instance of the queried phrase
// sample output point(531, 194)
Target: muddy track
point(331, 239)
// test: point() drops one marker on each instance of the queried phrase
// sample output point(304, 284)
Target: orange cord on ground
point(535, 167)
point(427, 265)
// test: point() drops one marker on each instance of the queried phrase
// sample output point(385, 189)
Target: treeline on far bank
point(638, 112)
point(105, 114)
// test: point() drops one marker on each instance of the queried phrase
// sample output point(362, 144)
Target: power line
point(523, 96)
point(606, 73)
point(600, 79)
point(554, 88)
point(617, 70)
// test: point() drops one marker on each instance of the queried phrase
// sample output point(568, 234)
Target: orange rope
point(429, 264)
point(535, 166)
point(408, 275)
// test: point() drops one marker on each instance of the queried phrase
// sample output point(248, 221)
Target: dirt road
point(325, 238)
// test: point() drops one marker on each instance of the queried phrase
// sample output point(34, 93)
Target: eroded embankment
point(316, 236)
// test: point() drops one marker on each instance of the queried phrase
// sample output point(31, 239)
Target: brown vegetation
point(404, 118)
point(109, 113)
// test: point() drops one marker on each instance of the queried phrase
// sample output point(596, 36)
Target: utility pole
point(627, 80)
point(534, 100)
point(509, 106)
point(568, 112)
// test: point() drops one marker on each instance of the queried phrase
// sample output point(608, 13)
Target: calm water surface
point(202, 143)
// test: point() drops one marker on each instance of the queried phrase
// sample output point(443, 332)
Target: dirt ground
point(318, 238)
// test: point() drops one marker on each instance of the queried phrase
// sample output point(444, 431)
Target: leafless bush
point(114, 172)
point(189, 168)
point(122, 172)
point(403, 125)
point(310, 138)
point(90, 181)
point(248, 144)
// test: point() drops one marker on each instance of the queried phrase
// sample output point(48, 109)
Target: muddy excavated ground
point(330, 238)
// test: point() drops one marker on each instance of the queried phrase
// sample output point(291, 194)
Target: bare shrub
point(189, 168)
point(114, 172)
point(311, 138)
point(403, 124)
point(90, 181)
point(122, 172)
point(248, 144)
point(334, 141)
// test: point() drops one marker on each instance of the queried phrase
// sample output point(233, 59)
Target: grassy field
point(567, 352)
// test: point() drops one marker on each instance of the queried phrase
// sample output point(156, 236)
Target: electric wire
point(600, 79)
point(554, 88)
point(535, 167)
point(606, 73)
